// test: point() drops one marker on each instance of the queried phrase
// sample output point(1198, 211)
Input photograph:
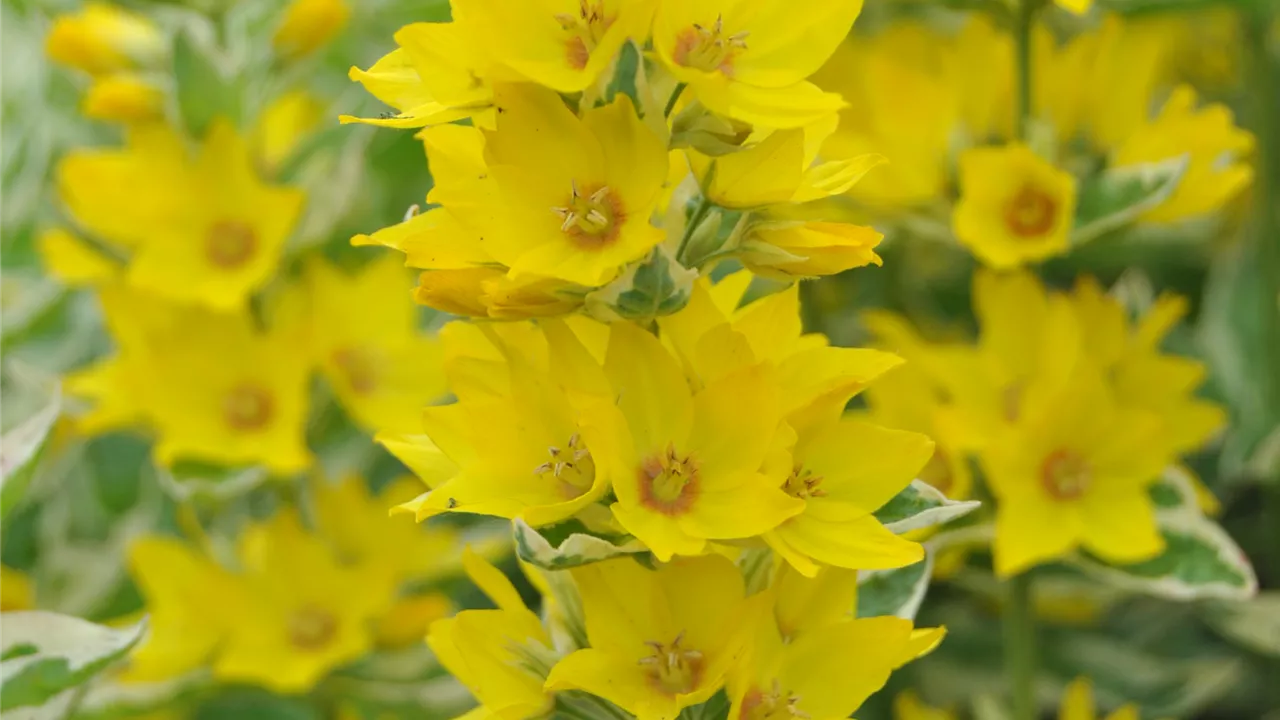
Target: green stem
point(700, 212)
point(671, 101)
point(1020, 647)
point(1019, 616)
point(1024, 24)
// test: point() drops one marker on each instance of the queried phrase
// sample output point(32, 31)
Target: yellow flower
point(1216, 173)
point(907, 706)
point(988, 384)
point(123, 98)
point(503, 655)
point(191, 602)
point(224, 392)
point(1074, 472)
point(1100, 84)
point(309, 25)
point(121, 386)
point(1140, 374)
point(282, 126)
point(573, 196)
point(713, 337)
point(103, 39)
point(565, 45)
point(70, 260)
point(365, 339)
point(1076, 7)
point(686, 467)
point(787, 249)
point(204, 230)
point(660, 640)
point(1077, 704)
point(779, 169)
point(749, 61)
point(810, 658)
point(436, 75)
point(1014, 207)
point(15, 590)
point(408, 621)
point(389, 552)
point(910, 398)
point(308, 614)
point(519, 453)
point(910, 91)
point(843, 472)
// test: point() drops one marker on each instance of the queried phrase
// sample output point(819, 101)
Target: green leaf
point(26, 299)
point(894, 592)
point(920, 505)
point(22, 445)
point(1175, 493)
point(569, 544)
point(204, 90)
point(1200, 561)
point(46, 654)
point(646, 290)
point(625, 77)
point(1252, 624)
point(1117, 196)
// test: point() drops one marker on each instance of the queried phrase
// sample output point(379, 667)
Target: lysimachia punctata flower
point(751, 60)
point(201, 229)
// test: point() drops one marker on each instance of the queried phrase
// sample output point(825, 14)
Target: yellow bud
point(103, 39)
point(123, 98)
point(407, 621)
point(797, 249)
point(283, 124)
point(308, 25)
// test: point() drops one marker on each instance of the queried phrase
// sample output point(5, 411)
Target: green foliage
point(921, 505)
point(569, 544)
point(1117, 196)
point(45, 656)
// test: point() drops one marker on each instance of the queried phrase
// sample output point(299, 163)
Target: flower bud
point(123, 98)
point(308, 25)
point(103, 39)
point(799, 249)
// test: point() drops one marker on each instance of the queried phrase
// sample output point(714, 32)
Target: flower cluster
point(292, 603)
point(596, 173)
point(917, 96)
point(1071, 408)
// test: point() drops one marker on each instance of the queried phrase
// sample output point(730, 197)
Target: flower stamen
point(672, 669)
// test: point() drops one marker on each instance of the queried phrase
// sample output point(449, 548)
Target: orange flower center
point(584, 31)
point(591, 219)
point(772, 705)
point(803, 484)
point(671, 669)
point(572, 467)
point(708, 49)
point(1030, 213)
point(1065, 475)
point(311, 628)
point(668, 482)
point(360, 368)
point(230, 244)
point(247, 407)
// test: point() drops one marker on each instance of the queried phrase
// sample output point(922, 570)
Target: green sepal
point(569, 544)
